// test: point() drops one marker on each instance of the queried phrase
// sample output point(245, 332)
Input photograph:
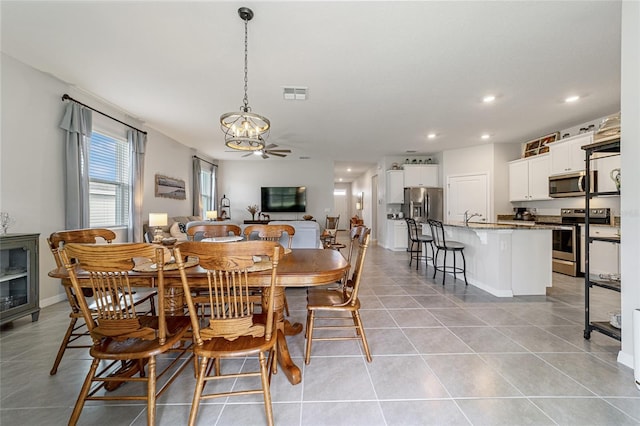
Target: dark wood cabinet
point(19, 291)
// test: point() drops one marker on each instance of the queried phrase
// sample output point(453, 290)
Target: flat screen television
point(283, 199)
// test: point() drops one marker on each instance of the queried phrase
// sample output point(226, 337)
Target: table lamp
point(212, 214)
point(157, 221)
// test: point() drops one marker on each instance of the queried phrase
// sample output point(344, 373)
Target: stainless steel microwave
point(572, 184)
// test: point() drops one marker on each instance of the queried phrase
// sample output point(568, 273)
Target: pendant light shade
point(245, 130)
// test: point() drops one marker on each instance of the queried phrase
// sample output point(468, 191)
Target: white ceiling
point(381, 75)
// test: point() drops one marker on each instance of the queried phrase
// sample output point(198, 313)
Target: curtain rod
point(208, 162)
point(67, 97)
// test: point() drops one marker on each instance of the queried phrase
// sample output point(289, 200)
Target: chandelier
point(245, 130)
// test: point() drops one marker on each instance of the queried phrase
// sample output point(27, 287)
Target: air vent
point(305, 158)
point(295, 93)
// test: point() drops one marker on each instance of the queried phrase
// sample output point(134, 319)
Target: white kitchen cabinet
point(395, 186)
point(421, 175)
point(529, 177)
point(397, 238)
point(567, 155)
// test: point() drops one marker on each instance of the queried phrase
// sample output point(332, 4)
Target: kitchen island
point(504, 259)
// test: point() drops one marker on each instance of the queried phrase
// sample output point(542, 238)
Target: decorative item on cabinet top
point(415, 160)
point(609, 129)
point(539, 145)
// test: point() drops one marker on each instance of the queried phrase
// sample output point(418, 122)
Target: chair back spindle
point(108, 268)
point(228, 267)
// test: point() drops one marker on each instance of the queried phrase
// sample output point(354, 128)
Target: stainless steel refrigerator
point(423, 203)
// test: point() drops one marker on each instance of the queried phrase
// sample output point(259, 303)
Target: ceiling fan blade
point(271, 145)
point(246, 155)
point(278, 155)
point(288, 151)
point(265, 156)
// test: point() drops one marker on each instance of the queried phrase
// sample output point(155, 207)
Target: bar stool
point(437, 232)
point(416, 240)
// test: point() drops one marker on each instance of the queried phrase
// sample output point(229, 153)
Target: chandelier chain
point(246, 66)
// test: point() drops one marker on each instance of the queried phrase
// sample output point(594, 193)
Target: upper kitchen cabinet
point(395, 186)
point(528, 178)
point(421, 175)
point(567, 155)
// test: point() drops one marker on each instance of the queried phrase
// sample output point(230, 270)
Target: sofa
point(176, 227)
point(307, 232)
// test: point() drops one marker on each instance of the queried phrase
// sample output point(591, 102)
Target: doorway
point(341, 193)
point(468, 192)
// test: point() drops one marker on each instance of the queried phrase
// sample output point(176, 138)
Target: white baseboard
point(52, 300)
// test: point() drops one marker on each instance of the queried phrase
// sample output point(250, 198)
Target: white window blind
point(109, 185)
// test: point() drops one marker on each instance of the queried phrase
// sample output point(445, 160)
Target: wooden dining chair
point(268, 232)
point(120, 334)
point(76, 331)
point(233, 330)
point(337, 301)
point(330, 232)
point(200, 231)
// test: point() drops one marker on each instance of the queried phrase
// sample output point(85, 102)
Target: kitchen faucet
point(467, 217)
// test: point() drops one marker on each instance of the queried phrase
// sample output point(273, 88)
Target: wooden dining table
point(299, 268)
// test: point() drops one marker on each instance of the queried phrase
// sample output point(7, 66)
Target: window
point(207, 194)
point(109, 185)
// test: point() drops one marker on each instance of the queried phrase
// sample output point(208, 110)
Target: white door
point(341, 207)
point(468, 192)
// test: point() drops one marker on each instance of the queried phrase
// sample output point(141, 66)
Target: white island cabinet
point(504, 259)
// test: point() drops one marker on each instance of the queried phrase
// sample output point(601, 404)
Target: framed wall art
point(168, 187)
point(540, 145)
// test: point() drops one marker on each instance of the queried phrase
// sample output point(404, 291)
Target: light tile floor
point(441, 355)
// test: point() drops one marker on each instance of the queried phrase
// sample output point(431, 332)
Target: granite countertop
point(498, 226)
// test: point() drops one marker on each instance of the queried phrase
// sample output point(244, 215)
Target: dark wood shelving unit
point(611, 146)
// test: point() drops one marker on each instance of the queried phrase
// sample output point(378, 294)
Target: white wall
point(474, 160)
point(363, 184)
point(32, 160)
point(630, 201)
point(31, 183)
point(241, 181)
point(503, 153)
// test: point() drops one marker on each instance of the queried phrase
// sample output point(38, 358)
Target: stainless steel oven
point(571, 184)
point(566, 250)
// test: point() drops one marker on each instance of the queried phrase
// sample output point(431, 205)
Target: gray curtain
point(77, 123)
point(137, 144)
point(197, 190)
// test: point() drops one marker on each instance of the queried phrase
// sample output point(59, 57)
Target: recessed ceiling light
point(431, 135)
point(572, 98)
point(348, 170)
point(485, 136)
point(488, 98)
point(340, 179)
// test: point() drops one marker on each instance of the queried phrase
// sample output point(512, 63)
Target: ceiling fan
point(268, 150)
